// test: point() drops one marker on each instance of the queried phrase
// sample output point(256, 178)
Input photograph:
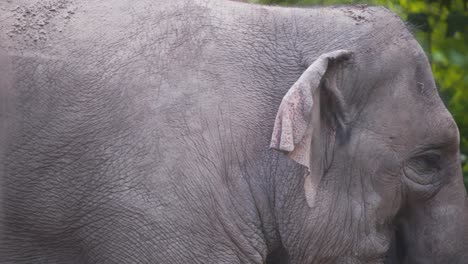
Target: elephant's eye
point(426, 162)
point(423, 169)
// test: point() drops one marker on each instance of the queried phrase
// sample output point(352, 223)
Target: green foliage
point(441, 27)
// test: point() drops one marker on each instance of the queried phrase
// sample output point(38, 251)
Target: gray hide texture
point(210, 131)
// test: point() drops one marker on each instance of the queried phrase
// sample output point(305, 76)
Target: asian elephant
point(209, 131)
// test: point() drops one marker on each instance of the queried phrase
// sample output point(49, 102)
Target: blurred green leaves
point(441, 27)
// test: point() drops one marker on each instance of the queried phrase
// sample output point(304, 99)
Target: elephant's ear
point(299, 112)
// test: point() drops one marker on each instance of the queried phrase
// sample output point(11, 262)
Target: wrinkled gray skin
point(140, 132)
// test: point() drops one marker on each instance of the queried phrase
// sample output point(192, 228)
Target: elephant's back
point(127, 118)
point(129, 101)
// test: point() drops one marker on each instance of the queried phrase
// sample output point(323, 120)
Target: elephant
point(211, 131)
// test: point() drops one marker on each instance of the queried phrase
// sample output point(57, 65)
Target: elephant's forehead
point(410, 119)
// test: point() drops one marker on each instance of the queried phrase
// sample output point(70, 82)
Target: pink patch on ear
point(293, 118)
point(292, 132)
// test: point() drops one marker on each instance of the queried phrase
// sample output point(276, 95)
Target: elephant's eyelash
point(429, 150)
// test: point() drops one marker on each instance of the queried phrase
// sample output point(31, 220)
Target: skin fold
point(222, 132)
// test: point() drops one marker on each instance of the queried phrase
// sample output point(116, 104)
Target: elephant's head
point(381, 160)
